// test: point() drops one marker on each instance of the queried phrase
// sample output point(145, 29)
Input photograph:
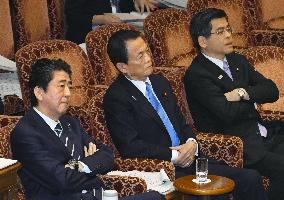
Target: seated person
point(222, 88)
point(60, 160)
point(80, 15)
point(138, 130)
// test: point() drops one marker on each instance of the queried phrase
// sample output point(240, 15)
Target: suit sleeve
point(201, 87)
point(260, 89)
point(30, 148)
point(100, 162)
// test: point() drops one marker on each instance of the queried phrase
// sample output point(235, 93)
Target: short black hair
point(42, 73)
point(200, 24)
point(116, 47)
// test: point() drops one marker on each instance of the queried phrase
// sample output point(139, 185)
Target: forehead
point(60, 76)
point(219, 23)
point(136, 45)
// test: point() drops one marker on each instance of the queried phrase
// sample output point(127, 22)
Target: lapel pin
point(237, 69)
point(134, 98)
point(220, 77)
point(165, 94)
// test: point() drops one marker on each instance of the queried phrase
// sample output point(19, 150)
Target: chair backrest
point(68, 51)
point(168, 36)
point(269, 61)
point(96, 43)
point(175, 77)
point(31, 22)
point(56, 18)
point(7, 124)
point(243, 16)
point(272, 13)
point(91, 116)
point(6, 33)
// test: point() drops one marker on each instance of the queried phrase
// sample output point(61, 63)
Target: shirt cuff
point(192, 139)
point(175, 154)
point(85, 169)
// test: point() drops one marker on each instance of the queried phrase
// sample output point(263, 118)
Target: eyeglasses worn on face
point(222, 31)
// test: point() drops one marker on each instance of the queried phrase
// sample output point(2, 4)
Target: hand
point(186, 153)
point(91, 150)
point(141, 4)
point(233, 95)
point(80, 166)
point(246, 95)
point(107, 18)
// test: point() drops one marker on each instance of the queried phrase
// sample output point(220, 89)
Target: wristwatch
point(241, 93)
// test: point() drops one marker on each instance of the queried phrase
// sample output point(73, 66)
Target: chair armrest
point(148, 165)
point(124, 185)
point(268, 115)
point(226, 148)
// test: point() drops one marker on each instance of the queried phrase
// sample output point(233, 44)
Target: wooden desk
point(8, 182)
point(219, 185)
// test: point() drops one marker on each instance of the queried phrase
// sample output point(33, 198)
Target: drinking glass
point(201, 169)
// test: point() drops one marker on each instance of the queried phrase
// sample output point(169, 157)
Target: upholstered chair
point(270, 15)
point(6, 33)
point(269, 61)
point(68, 51)
point(167, 33)
point(96, 43)
point(56, 18)
point(30, 20)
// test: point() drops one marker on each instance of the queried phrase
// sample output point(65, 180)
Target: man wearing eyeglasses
point(222, 89)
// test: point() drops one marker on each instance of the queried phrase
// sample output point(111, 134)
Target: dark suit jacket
point(205, 85)
point(135, 126)
point(79, 15)
point(43, 157)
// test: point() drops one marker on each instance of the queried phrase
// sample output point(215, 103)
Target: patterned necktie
point(65, 140)
point(227, 70)
point(162, 114)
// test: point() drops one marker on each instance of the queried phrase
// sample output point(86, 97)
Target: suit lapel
point(44, 129)
point(235, 69)
point(140, 100)
point(218, 74)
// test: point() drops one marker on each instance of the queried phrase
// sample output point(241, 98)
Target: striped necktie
point(227, 70)
point(66, 141)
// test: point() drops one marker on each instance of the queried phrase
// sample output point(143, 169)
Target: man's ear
point(202, 42)
point(122, 67)
point(38, 93)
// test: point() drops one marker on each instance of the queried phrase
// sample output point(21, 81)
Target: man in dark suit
point(138, 130)
point(60, 161)
point(81, 14)
point(222, 89)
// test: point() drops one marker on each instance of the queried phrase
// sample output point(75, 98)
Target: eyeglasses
point(222, 31)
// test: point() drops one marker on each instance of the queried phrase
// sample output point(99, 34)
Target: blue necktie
point(227, 69)
point(162, 113)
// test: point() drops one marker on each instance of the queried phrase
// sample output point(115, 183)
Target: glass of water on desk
point(201, 169)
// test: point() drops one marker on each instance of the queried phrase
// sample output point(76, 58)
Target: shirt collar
point(216, 61)
point(141, 85)
point(50, 122)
